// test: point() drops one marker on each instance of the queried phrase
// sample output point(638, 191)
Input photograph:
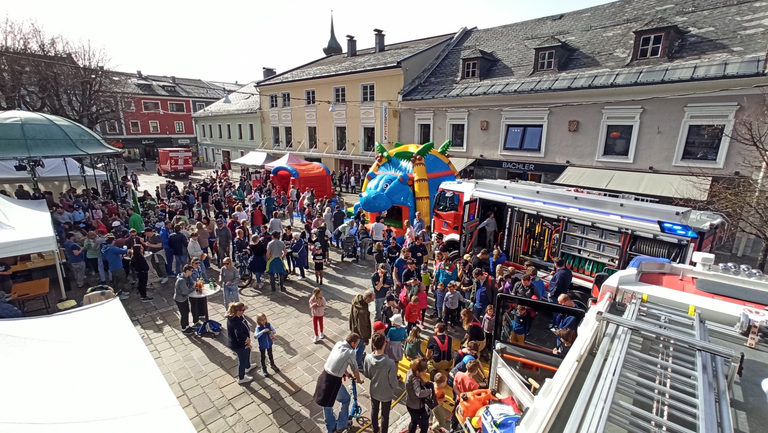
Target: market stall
point(27, 239)
point(56, 174)
point(109, 383)
point(291, 170)
point(254, 159)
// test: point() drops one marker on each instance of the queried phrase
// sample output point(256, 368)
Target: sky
point(229, 40)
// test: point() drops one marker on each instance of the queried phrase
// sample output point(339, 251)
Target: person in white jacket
point(195, 251)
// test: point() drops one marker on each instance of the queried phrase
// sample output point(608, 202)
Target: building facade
point(156, 112)
point(334, 109)
point(591, 98)
point(230, 127)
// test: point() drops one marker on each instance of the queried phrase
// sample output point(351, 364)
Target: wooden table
point(29, 290)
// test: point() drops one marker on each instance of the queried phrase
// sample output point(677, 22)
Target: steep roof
point(365, 60)
point(720, 40)
point(159, 85)
point(242, 101)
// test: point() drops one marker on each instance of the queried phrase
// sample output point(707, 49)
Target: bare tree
point(51, 74)
point(744, 198)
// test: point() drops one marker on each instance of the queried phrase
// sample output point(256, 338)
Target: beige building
point(333, 110)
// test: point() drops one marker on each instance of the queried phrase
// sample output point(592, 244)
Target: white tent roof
point(54, 170)
point(254, 159)
point(25, 227)
point(665, 185)
point(106, 381)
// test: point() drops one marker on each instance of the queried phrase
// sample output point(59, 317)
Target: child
point(440, 292)
point(426, 277)
point(265, 333)
point(520, 326)
point(380, 328)
point(423, 302)
point(389, 310)
point(395, 337)
point(318, 256)
point(317, 308)
point(413, 344)
point(440, 415)
point(412, 313)
point(452, 304)
point(488, 324)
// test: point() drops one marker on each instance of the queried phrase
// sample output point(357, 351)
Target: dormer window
point(650, 46)
point(546, 60)
point(470, 69)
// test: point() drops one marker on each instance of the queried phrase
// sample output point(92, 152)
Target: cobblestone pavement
point(202, 370)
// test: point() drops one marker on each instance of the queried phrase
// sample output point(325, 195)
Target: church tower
point(334, 47)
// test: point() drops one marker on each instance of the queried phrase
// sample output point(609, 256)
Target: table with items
point(198, 300)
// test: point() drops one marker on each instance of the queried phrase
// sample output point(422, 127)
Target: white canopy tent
point(26, 228)
point(111, 383)
point(254, 159)
point(53, 177)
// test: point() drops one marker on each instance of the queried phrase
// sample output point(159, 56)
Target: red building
point(156, 112)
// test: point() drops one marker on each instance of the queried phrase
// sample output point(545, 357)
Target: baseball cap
point(116, 224)
point(379, 326)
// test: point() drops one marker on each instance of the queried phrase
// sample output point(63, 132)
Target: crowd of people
point(183, 231)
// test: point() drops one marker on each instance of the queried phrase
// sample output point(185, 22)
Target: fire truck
point(594, 232)
point(174, 162)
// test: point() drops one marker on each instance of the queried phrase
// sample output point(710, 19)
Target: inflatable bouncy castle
point(404, 181)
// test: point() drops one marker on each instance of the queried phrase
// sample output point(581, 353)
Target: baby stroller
point(349, 248)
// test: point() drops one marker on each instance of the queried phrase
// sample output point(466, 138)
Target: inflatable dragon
point(405, 180)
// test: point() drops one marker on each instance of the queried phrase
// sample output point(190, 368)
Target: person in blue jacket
point(483, 293)
point(498, 258)
point(300, 254)
point(114, 257)
point(265, 334)
point(165, 233)
point(560, 282)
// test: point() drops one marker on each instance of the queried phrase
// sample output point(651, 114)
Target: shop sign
point(147, 141)
point(522, 166)
point(384, 122)
point(183, 141)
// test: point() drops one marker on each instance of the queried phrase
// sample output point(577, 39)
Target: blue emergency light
point(677, 229)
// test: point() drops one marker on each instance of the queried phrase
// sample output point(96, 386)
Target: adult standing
point(76, 258)
point(360, 322)
point(393, 251)
point(382, 283)
point(154, 244)
point(329, 388)
point(141, 267)
point(300, 253)
point(228, 277)
point(22, 194)
point(416, 391)
point(490, 230)
point(203, 240)
point(239, 332)
point(183, 287)
point(114, 257)
point(135, 222)
point(205, 200)
point(381, 370)
point(482, 261)
point(377, 230)
point(560, 282)
point(419, 250)
point(165, 235)
point(418, 223)
point(223, 241)
point(338, 219)
point(178, 243)
point(275, 265)
point(399, 266)
point(483, 292)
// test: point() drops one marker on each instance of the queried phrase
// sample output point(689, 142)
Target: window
point(229, 131)
point(312, 137)
point(523, 137)
point(340, 95)
point(703, 142)
point(618, 134)
point(705, 135)
point(250, 131)
point(210, 130)
point(470, 69)
point(218, 126)
point(239, 131)
point(457, 130)
point(369, 139)
point(286, 99)
point(650, 46)
point(179, 126)
point(367, 92)
point(341, 138)
point(202, 130)
point(424, 126)
point(199, 106)
point(135, 127)
point(275, 136)
point(523, 132)
point(546, 60)
point(112, 127)
point(150, 105)
point(309, 97)
point(273, 100)
point(288, 137)
point(176, 107)
point(154, 126)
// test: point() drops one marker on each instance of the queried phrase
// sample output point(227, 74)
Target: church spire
point(334, 47)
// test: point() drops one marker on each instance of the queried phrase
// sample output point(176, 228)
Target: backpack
point(211, 326)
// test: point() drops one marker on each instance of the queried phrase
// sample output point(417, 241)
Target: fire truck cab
point(594, 232)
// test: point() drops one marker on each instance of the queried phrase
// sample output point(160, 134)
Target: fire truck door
point(469, 224)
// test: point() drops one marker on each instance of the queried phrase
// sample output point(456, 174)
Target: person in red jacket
point(412, 313)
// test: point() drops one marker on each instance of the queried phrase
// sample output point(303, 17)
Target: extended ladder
point(655, 371)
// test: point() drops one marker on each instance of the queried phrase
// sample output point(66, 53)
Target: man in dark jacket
point(560, 282)
point(178, 242)
point(360, 322)
point(338, 219)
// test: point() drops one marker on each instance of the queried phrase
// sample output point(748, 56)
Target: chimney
point(139, 74)
point(268, 72)
point(351, 46)
point(379, 35)
point(173, 79)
